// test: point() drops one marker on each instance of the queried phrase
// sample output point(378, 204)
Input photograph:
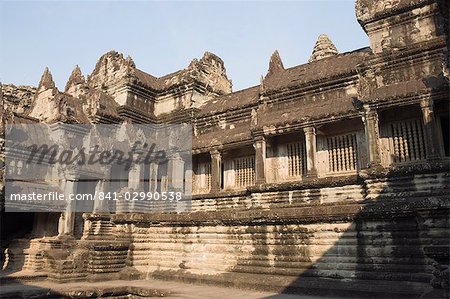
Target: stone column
point(260, 160)
point(371, 129)
point(430, 130)
point(311, 149)
point(136, 176)
point(188, 181)
point(135, 182)
point(153, 181)
point(175, 173)
point(69, 215)
point(100, 206)
point(216, 161)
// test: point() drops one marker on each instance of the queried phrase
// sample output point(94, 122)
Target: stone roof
point(241, 131)
point(328, 67)
point(304, 110)
point(147, 79)
point(69, 110)
point(101, 104)
point(317, 70)
point(235, 100)
point(281, 113)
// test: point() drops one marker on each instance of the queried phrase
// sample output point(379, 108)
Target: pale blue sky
point(163, 37)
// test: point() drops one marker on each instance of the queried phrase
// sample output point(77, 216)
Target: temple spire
point(46, 80)
point(275, 64)
point(76, 78)
point(323, 48)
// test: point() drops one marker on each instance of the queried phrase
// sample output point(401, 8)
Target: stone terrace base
point(366, 236)
point(128, 289)
point(25, 287)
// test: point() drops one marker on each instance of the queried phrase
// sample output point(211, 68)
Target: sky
point(164, 36)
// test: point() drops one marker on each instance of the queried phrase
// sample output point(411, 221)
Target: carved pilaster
point(260, 160)
point(430, 129)
point(311, 149)
point(68, 216)
point(215, 170)
point(371, 128)
point(100, 205)
point(136, 176)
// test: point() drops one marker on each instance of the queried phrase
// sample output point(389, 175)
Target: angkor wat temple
point(330, 177)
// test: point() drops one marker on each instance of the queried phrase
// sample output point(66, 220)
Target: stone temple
point(330, 177)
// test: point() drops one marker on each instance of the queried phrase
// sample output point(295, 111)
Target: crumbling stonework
point(17, 98)
point(330, 177)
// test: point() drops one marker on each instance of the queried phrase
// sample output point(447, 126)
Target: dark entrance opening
point(15, 225)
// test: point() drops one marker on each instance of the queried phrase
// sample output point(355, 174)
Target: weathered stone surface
point(209, 70)
point(329, 177)
point(109, 70)
point(76, 83)
point(50, 106)
point(360, 240)
point(17, 98)
point(424, 21)
point(46, 81)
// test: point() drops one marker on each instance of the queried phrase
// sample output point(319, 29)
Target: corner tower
point(397, 24)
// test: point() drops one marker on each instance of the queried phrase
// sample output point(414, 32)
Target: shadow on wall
point(381, 248)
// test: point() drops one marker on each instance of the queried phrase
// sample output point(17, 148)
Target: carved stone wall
point(351, 236)
point(335, 178)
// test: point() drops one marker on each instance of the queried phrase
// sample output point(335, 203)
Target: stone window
point(407, 140)
point(203, 177)
point(162, 178)
point(244, 168)
point(296, 153)
point(342, 152)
